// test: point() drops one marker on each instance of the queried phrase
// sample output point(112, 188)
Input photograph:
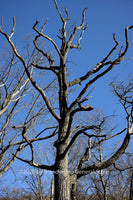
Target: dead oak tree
point(65, 110)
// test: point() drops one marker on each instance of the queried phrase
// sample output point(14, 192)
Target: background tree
point(38, 180)
point(66, 130)
point(9, 193)
point(34, 181)
point(17, 99)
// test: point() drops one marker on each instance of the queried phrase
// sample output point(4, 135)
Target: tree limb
point(99, 66)
point(108, 162)
point(47, 37)
point(30, 162)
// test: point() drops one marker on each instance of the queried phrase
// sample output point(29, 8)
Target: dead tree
point(64, 111)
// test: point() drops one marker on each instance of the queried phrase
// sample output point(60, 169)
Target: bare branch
point(15, 91)
point(108, 162)
point(82, 108)
point(31, 140)
point(30, 162)
point(45, 36)
point(86, 156)
point(119, 169)
point(92, 81)
point(51, 61)
point(58, 11)
point(116, 134)
point(83, 19)
point(46, 130)
point(62, 19)
point(99, 66)
point(7, 74)
point(31, 147)
point(67, 14)
point(6, 167)
point(1, 22)
point(69, 43)
point(44, 25)
point(127, 42)
point(12, 32)
point(80, 37)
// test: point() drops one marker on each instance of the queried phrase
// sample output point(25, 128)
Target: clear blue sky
point(104, 17)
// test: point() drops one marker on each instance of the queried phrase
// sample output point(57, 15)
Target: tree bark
point(61, 176)
point(62, 180)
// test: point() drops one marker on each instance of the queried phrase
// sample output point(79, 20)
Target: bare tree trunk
point(62, 181)
point(131, 188)
point(61, 176)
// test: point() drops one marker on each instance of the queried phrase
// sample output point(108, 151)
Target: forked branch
point(62, 19)
point(40, 33)
point(69, 43)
